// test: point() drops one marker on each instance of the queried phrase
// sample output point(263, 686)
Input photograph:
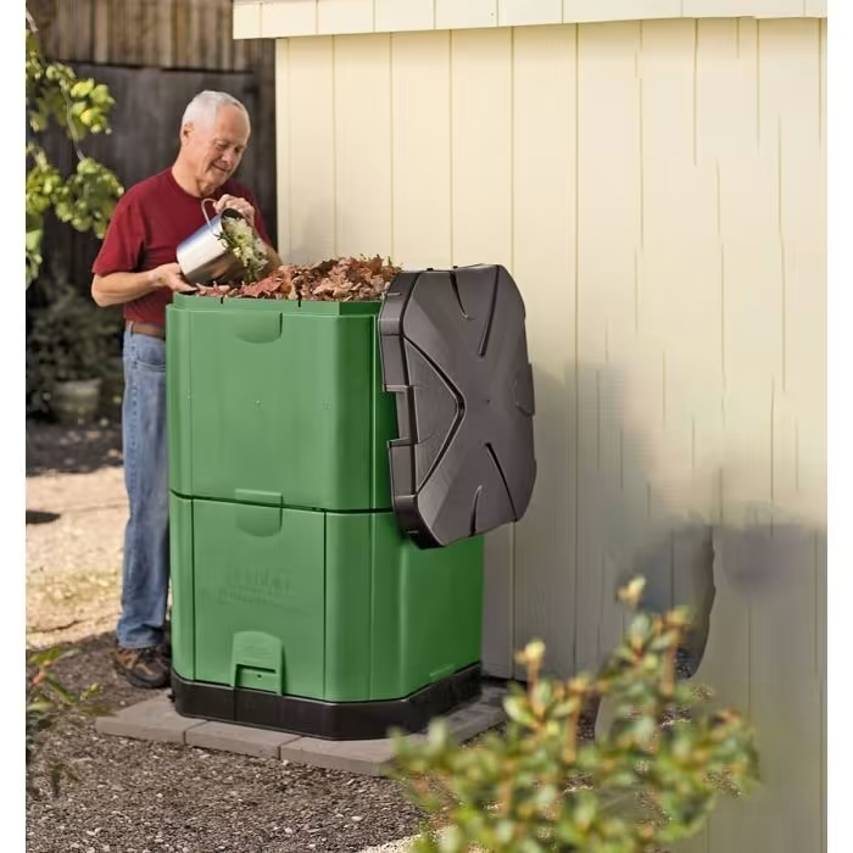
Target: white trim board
point(286, 18)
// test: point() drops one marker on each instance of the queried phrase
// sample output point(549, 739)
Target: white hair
point(202, 109)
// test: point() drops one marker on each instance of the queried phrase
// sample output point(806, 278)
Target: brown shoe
point(143, 667)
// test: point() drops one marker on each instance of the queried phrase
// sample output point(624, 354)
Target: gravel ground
point(76, 510)
point(73, 554)
point(133, 796)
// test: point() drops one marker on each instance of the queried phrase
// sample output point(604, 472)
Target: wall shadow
point(630, 521)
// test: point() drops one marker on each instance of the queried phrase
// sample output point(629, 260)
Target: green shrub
point(651, 779)
point(70, 338)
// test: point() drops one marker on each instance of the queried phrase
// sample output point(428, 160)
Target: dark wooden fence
point(154, 55)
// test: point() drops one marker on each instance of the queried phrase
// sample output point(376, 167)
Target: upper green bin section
point(278, 403)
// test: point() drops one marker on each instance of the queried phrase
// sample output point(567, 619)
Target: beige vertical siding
point(420, 155)
point(657, 190)
point(544, 241)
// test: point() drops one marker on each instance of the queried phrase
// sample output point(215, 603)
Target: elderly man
point(136, 268)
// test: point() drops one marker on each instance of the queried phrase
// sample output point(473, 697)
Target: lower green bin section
point(339, 607)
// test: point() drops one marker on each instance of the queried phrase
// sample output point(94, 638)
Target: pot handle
point(204, 209)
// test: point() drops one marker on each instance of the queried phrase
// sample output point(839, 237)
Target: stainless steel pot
point(204, 256)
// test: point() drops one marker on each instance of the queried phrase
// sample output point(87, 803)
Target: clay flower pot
point(76, 401)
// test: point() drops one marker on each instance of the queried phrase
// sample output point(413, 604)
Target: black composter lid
point(454, 351)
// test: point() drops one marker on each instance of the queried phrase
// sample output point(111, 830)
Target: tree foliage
point(84, 199)
point(652, 779)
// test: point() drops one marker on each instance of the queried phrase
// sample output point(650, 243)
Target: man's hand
point(243, 207)
point(169, 275)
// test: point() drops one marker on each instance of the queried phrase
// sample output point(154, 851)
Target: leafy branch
point(86, 198)
point(48, 700)
point(652, 779)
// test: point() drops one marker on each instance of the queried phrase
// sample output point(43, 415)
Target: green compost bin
point(298, 604)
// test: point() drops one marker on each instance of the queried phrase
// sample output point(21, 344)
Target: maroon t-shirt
point(148, 223)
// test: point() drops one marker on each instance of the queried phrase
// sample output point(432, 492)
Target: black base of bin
point(329, 720)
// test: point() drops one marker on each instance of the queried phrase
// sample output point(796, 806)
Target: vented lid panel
point(454, 351)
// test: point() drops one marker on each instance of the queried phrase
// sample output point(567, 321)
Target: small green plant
point(652, 779)
point(86, 198)
point(48, 700)
point(243, 242)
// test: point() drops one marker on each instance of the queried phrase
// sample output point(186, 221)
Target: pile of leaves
point(335, 280)
point(651, 779)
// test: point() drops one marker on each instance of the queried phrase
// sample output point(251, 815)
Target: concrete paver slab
point(156, 719)
point(234, 738)
point(367, 757)
point(151, 719)
point(371, 757)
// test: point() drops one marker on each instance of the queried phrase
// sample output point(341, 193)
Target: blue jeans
point(145, 569)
